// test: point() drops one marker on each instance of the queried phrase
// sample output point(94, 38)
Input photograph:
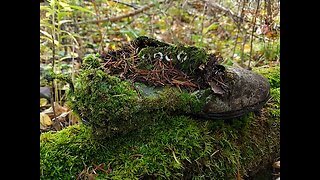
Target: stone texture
point(248, 92)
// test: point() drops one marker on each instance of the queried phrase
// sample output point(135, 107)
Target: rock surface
point(248, 92)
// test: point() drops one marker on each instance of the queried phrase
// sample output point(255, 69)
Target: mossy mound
point(173, 147)
point(105, 101)
point(111, 106)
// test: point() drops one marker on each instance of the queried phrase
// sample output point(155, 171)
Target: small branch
point(53, 85)
point(117, 18)
point(253, 27)
point(126, 4)
point(202, 20)
point(242, 48)
point(239, 30)
point(73, 63)
point(173, 35)
point(101, 47)
point(235, 17)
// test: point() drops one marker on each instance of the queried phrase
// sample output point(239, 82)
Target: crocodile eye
point(201, 67)
point(184, 59)
point(179, 56)
point(167, 58)
point(158, 55)
point(145, 57)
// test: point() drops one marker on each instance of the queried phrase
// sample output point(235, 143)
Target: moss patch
point(104, 101)
point(186, 58)
point(172, 100)
point(273, 75)
point(174, 147)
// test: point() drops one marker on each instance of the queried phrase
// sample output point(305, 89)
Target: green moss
point(144, 41)
point(91, 61)
point(149, 137)
point(112, 106)
point(104, 101)
point(62, 154)
point(273, 75)
point(186, 58)
point(174, 147)
point(274, 105)
point(171, 100)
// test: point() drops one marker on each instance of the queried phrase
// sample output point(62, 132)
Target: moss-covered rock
point(112, 105)
point(174, 147)
point(104, 101)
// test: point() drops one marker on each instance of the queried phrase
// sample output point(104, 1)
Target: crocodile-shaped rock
point(147, 76)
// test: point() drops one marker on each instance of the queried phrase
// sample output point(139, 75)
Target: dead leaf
point(59, 110)
point(43, 102)
point(42, 127)
point(73, 118)
point(63, 118)
point(45, 120)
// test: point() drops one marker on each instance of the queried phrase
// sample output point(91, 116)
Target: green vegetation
point(70, 29)
point(112, 106)
point(171, 100)
point(105, 101)
point(186, 58)
point(272, 74)
point(174, 147)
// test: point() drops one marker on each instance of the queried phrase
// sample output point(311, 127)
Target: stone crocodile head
point(248, 92)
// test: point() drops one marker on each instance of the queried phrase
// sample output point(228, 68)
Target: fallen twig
point(254, 23)
point(229, 12)
point(126, 4)
point(117, 18)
